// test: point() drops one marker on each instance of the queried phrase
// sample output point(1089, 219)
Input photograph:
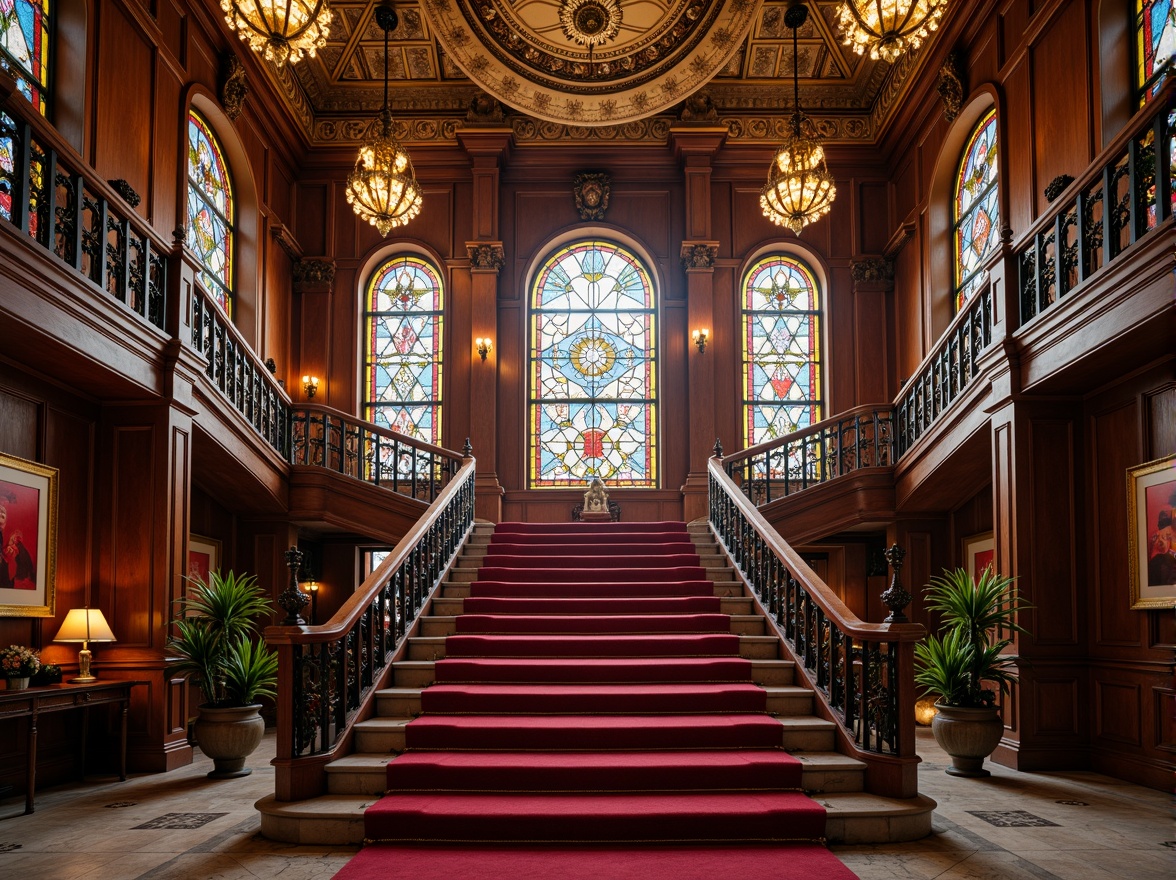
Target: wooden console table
point(34, 702)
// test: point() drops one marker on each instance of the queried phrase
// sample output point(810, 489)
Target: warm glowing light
point(383, 189)
point(310, 385)
point(925, 711)
point(700, 337)
point(887, 28)
point(483, 346)
point(800, 189)
point(281, 30)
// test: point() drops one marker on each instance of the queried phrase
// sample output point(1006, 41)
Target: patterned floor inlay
point(1013, 819)
point(181, 821)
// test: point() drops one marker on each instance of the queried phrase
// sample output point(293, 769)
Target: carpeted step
point(616, 539)
point(594, 732)
point(519, 528)
point(762, 862)
point(684, 645)
point(618, 551)
point(746, 770)
point(579, 564)
point(600, 699)
point(572, 576)
point(646, 818)
point(600, 670)
point(491, 587)
point(593, 623)
point(616, 606)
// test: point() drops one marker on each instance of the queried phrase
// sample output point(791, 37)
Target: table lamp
point(84, 625)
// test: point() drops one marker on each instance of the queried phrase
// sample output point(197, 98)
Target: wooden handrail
point(814, 428)
point(373, 428)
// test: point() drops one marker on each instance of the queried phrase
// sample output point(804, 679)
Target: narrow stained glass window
point(781, 349)
point(975, 210)
point(1155, 43)
point(403, 326)
point(210, 210)
point(593, 410)
point(24, 46)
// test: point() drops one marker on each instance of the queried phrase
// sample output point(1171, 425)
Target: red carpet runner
point(592, 718)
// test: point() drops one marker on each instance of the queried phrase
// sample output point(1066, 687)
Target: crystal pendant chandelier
point(887, 28)
point(281, 30)
point(800, 189)
point(383, 189)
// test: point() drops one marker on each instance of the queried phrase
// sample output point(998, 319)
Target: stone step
point(752, 647)
point(856, 817)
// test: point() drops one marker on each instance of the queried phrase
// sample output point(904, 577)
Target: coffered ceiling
point(446, 53)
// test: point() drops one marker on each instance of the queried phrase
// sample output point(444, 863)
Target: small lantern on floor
point(925, 711)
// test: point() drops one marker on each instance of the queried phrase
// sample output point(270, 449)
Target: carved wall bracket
point(872, 270)
point(592, 189)
point(286, 241)
point(951, 86)
point(314, 271)
point(699, 254)
point(486, 256)
point(234, 86)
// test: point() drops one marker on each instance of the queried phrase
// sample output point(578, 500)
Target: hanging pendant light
point(383, 189)
point(281, 30)
point(887, 28)
point(800, 189)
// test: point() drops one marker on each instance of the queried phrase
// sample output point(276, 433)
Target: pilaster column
point(695, 146)
point(314, 283)
point(873, 281)
point(488, 147)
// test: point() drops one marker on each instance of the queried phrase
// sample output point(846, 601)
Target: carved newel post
point(293, 600)
point(896, 597)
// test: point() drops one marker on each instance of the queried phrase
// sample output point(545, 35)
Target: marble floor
point(181, 825)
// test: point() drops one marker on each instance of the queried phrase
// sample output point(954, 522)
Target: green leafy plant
point(216, 640)
point(978, 619)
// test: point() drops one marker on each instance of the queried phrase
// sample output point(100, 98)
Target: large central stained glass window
point(781, 349)
point(593, 409)
point(403, 327)
point(975, 210)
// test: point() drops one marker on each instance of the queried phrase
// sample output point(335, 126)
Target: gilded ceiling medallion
point(609, 70)
point(590, 22)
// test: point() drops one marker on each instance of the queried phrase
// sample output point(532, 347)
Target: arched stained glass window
point(403, 330)
point(975, 210)
point(24, 46)
point(593, 409)
point(781, 349)
point(210, 210)
point(1155, 43)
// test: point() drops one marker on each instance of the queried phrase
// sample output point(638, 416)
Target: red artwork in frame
point(28, 537)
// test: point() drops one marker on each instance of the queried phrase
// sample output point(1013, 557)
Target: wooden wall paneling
point(512, 423)
point(1057, 705)
point(675, 400)
point(1159, 408)
point(310, 216)
point(1117, 716)
point(728, 326)
point(166, 211)
point(909, 319)
point(125, 79)
point(460, 364)
point(316, 345)
point(20, 424)
point(1055, 535)
point(873, 217)
point(1016, 155)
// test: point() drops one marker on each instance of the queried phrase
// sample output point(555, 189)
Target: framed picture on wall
point(1151, 536)
point(28, 537)
point(203, 557)
point(979, 554)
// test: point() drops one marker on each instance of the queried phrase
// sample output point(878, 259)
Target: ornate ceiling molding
point(669, 50)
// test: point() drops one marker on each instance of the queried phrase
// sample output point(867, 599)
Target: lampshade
point(887, 28)
point(84, 625)
point(280, 29)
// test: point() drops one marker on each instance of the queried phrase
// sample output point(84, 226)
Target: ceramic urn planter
point(229, 736)
point(968, 735)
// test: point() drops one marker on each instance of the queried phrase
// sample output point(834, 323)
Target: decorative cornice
point(309, 271)
point(352, 131)
point(872, 270)
point(656, 128)
point(592, 190)
point(485, 110)
point(234, 85)
point(486, 256)
point(286, 241)
point(699, 254)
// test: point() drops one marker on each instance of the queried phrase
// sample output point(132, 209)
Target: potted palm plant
point(219, 650)
point(965, 663)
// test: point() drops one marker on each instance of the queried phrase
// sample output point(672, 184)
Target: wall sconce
point(483, 346)
point(310, 385)
point(84, 625)
point(700, 337)
point(312, 587)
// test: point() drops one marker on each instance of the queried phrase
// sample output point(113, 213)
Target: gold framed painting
point(1151, 535)
point(979, 554)
point(203, 557)
point(28, 537)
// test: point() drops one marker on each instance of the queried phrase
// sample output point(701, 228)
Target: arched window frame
point(975, 193)
point(415, 317)
point(578, 419)
point(202, 196)
point(1154, 39)
point(765, 363)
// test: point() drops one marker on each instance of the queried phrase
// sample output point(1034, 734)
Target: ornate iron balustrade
point(859, 438)
point(238, 374)
point(327, 438)
point(946, 371)
point(326, 672)
point(1127, 192)
point(864, 671)
point(49, 195)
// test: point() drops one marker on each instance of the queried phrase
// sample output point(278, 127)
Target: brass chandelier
point(282, 30)
point(887, 28)
point(383, 189)
point(800, 188)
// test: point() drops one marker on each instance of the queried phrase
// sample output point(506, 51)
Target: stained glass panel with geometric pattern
point(1155, 43)
point(593, 409)
point(210, 210)
point(781, 349)
point(24, 46)
point(975, 210)
point(403, 331)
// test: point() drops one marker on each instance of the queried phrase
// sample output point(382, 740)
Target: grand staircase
point(627, 662)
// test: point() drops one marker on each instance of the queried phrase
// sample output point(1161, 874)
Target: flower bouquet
point(17, 661)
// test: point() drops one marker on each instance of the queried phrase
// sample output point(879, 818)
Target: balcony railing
point(326, 672)
point(1125, 193)
point(331, 439)
point(864, 671)
point(859, 438)
point(946, 371)
point(48, 194)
